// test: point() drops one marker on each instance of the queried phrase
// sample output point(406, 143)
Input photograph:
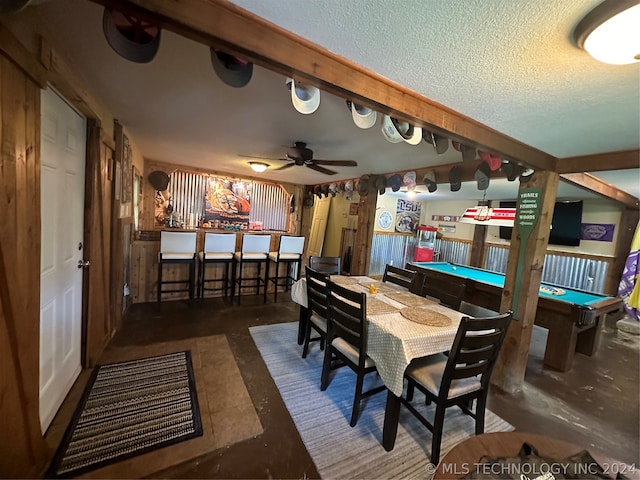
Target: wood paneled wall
point(98, 321)
point(23, 452)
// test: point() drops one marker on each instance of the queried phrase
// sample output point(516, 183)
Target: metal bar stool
point(289, 253)
point(255, 250)
point(177, 248)
point(219, 248)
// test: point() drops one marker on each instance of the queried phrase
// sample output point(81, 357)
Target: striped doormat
point(130, 408)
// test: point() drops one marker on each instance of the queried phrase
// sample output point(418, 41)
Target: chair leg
point(438, 422)
point(225, 278)
point(192, 276)
point(200, 284)
point(159, 281)
point(275, 284)
point(266, 280)
point(480, 408)
point(356, 400)
point(239, 282)
point(307, 336)
point(410, 390)
point(326, 369)
point(233, 279)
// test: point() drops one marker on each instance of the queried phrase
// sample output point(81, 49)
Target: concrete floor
point(596, 404)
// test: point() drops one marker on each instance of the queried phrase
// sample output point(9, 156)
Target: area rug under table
point(130, 408)
point(322, 418)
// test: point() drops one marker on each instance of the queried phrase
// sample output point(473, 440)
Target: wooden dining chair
point(400, 276)
point(460, 377)
point(449, 294)
point(316, 309)
point(346, 343)
point(327, 265)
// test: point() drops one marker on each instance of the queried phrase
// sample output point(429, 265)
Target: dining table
point(393, 339)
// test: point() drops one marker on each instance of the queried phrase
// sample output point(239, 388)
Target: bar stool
point(219, 248)
point(255, 250)
point(289, 253)
point(177, 248)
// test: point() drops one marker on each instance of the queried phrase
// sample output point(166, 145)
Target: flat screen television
point(565, 224)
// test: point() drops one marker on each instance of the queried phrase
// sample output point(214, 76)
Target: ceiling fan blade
point(262, 157)
point(318, 168)
point(284, 167)
point(336, 163)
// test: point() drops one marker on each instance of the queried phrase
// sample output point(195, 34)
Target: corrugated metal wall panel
point(451, 251)
point(390, 249)
point(269, 203)
point(567, 271)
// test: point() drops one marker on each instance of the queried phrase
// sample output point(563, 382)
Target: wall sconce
point(609, 33)
point(258, 167)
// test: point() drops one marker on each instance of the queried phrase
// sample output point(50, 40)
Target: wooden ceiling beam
point(225, 25)
point(621, 160)
point(589, 182)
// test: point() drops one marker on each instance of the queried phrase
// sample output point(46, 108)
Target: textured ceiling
point(510, 65)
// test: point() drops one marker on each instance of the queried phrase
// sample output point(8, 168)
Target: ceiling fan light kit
point(298, 155)
point(259, 167)
point(610, 33)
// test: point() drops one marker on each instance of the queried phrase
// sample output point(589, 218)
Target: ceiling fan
point(299, 154)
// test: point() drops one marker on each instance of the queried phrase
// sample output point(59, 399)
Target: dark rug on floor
point(129, 408)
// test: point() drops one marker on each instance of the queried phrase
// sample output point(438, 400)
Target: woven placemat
point(410, 299)
point(376, 307)
point(426, 317)
point(343, 280)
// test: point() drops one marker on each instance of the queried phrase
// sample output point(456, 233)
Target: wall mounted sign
point(353, 209)
point(407, 215)
point(527, 213)
point(445, 218)
point(599, 232)
point(484, 215)
point(385, 220)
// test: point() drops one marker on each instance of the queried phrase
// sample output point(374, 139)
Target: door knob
point(83, 263)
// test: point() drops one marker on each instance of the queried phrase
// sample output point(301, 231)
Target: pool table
point(573, 317)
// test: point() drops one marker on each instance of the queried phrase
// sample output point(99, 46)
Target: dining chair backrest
point(177, 242)
point(316, 292)
point(347, 317)
point(473, 310)
point(256, 244)
point(291, 245)
point(449, 294)
point(399, 276)
point(220, 242)
point(475, 350)
point(328, 265)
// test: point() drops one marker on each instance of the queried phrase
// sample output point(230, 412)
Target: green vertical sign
point(527, 213)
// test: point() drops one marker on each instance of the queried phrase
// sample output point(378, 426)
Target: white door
point(318, 226)
point(63, 139)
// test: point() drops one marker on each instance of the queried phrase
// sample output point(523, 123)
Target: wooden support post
point(477, 246)
point(628, 223)
point(512, 361)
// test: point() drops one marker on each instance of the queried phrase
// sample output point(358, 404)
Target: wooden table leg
point(391, 417)
point(589, 339)
point(561, 345)
point(302, 324)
